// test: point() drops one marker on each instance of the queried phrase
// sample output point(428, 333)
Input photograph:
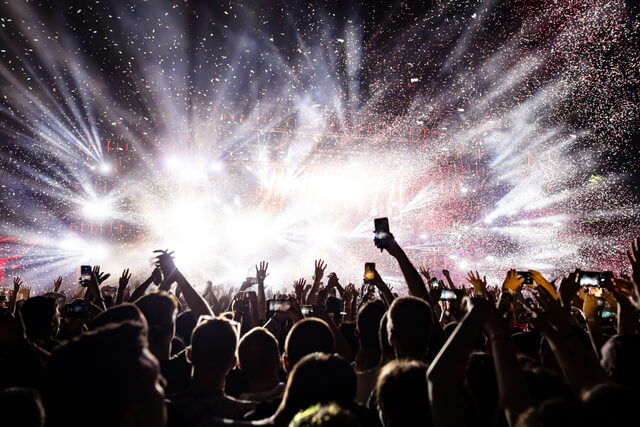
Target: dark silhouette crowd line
point(527, 353)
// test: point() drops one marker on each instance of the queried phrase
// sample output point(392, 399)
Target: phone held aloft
point(382, 233)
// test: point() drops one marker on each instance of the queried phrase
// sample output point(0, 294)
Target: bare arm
point(261, 274)
point(446, 374)
point(320, 266)
point(140, 290)
point(122, 285)
point(17, 282)
point(411, 275)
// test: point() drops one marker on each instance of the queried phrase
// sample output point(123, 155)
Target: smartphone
point(85, 274)
point(590, 278)
point(369, 271)
point(528, 278)
point(433, 283)
point(382, 233)
point(606, 314)
point(448, 295)
point(278, 305)
point(306, 310)
point(75, 311)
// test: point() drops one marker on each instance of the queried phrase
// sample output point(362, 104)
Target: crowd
point(528, 353)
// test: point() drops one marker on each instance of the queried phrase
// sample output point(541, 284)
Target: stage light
point(105, 168)
point(97, 209)
point(217, 166)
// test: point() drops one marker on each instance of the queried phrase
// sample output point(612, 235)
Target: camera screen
point(448, 295)
point(590, 278)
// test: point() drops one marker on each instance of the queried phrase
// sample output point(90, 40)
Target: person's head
point(160, 310)
point(620, 355)
point(409, 327)
point(368, 324)
point(386, 351)
point(402, 394)
point(185, 324)
point(544, 384)
point(41, 318)
point(259, 356)
point(21, 407)
point(118, 314)
point(318, 378)
point(610, 404)
point(556, 412)
point(331, 415)
point(305, 337)
point(110, 376)
point(213, 347)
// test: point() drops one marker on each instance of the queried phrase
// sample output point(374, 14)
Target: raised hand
point(164, 261)
point(124, 279)
point(511, 283)
point(57, 283)
point(320, 266)
point(299, 285)
point(590, 305)
point(333, 281)
point(17, 283)
point(100, 277)
point(156, 276)
point(541, 281)
point(261, 271)
point(569, 286)
point(479, 285)
point(425, 273)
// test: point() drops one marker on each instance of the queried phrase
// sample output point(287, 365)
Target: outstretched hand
point(100, 277)
point(261, 271)
point(17, 283)
point(124, 279)
point(541, 281)
point(57, 283)
point(320, 266)
point(479, 285)
point(425, 273)
point(164, 261)
point(512, 283)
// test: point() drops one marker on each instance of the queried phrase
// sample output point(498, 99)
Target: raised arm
point(156, 276)
point(411, 275)
point(320, 266)
point(382, 287)
point(194, 300)
point(261, 274)
point(122, 286)
point(17, 282)
point(446, 374)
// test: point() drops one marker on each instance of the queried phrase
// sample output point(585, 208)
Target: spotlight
point(217, 166)
point(97, 209)
point(105, 168)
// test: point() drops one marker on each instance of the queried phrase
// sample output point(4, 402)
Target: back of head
point(213, 345)
point(259, 355)
point(386, 351)
point(620, 355)
point(38, 314)
point(558, 412)
point(159, 308)
point(609, 404)
point(368, 324)
point(318, 378)
point(402, 394)
point(308, 336)
point(118, 314)
point(185, 324)
point(331, 415)
point(409, 326)
point(21, 407)
point(99, 373)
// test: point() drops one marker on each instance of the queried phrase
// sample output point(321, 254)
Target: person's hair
point(383, 336)
point(330, 415)
point(99, 373)
point(308, 336)
point(410, 322)
point(544, 384)
point(368, 323)
point(38, 315)
point(557, 412)
point(402, 394)
point(118, 314)
point(21, 407)
point(158, 308)
point(185, 324)
point(213, 344)
point(318, 378)
point(610, 404)
point(620, 355)
point(258, 354)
